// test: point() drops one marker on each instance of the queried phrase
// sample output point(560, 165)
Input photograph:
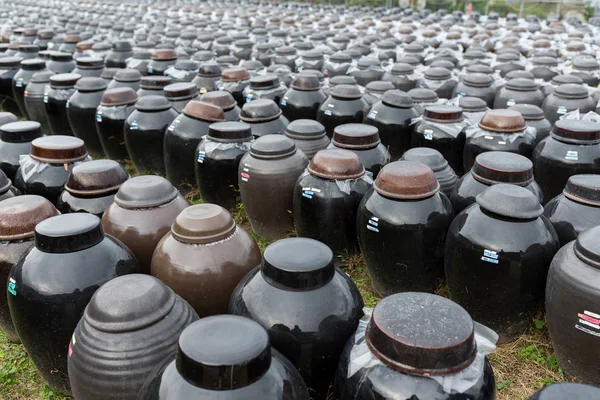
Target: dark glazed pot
point(117, 57)
point(91, 187)
point(15, 141)
point(248, 367)
point(60, 63)
point(18, 218)
point(572, 148)
point(234, 81)
point(264, 117)
point(264, 87)
point(406, 359)
point(497, 257)
point(130, 78)
point(542, 67)
point(439, 80)
point(217, 163)
point(576, 209)
point(153, 85)
point(477, 85)
point(587, 69)
point(122, 314)
point(224, 100)
point(208, 75)
point(308, 135)
point(8, 68)
point(401, 76)
point(89, 67)
point(374, 90)
point(519, 91)
point(345, 105)
point(422, 98)
point(298, 274)
point(393, 117)
point(65, 245)
point(116, 105)
point(180, 94)
point(267, 176)
point(21, 80)
point(34, 98)
point(444, 174)
point(144, 132)
point(566, 98)
point(204, 257)
point(81, 111)
point(534, 118)
point(404, 206)
point(182, 138)
point(161, 60)
point(571, 305)
point(303, 99)
point(56, 97)
point(326, 199)
point(561, 391)
point(367, 70)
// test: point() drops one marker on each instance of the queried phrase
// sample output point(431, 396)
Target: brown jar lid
point(164, 55)
point(510, 201)
point(493, 167)
point(145, 191)
point(58, 149)
point(503, 121)
point(230, 131)
point(576, 131)
point(336, 164)
point(203, 223)
point(64, 80)
point(72, 39)
point(355, 136)
point(10, 62)
point(406, 180)
point(584, 189)
point(84, 45)
point(204, 111)
point(306, 82)
point(96, 177)
point(220, 98)
point(119, 97)
point(571, 91)
point(260, 110)
point(443, 113)
point(235, 74)
point(180, 91)
point(19, 216)
point(346, 92)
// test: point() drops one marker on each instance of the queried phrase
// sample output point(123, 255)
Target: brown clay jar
point(142, 213)
point(204, 257)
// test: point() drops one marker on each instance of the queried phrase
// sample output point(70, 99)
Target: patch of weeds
point(539, 323)
point(503, 385)
point(354, 266)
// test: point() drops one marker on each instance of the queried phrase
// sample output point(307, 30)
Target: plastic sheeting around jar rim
point(337, 66)
point(475, 131)
point(58, 94)
point(114, 112)
point(231, 87)
point(210, 146)
point(181, 74)
point(385, 380)
point(345, 185)
point(589, 116)
point(435, 84)
point(30, 166)
point(451, 128)
point(253, 94)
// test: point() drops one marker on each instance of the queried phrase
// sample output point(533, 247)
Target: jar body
point(81, 111)
point(334, 112)
point(400, 82)
point(365, 76)
point(299, 104)
point(19, 83)
point(7, 97)
point(542, 128)
point(55, 109)
point(274, 94)
point(554, 107)
point(311, 146)
point(117, 59)
point(395, 126)
point(444, 89)
point(272, 127)
point(570, 218)
point(69, 203)
point(492, 141)
point(451, 147)
point(205, 84)
point(486, 94)
point(179, 104)
point(48, 183)
point(9, 157)
point(88, 72)
point(109, 125)
point(34, 103)
point(508, 97)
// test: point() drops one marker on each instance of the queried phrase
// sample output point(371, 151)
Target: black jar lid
point(402, 69)
point(10, 62)
point(271, 147)
point(68, 233)
point(129, 303)
point(562, 79)
point(203, 223)
point(91, 84)
point(31, 48)
point(576, 131)
point(586, 247)
point(122, 46)
point(186, 65)
point(438, 74)
point(312, 55)
point(449, 65)
point(356, 136)
point(422, 95)
point(33, 64)
point(64, 80)
point(340, 57)
point(568, 390)
point(406, 180)
point(234, 352)
point(41, 77)
point(108, 73)
point(306, 129)
point(379, 87)
point(305, 82)
point(510, 201)
point(478, 80)
point(204, 111)
point(495, 167)
point(96, 177)
point(230, 131)
point(545, 61)
point(145, 191)
point(422, 334)
point(260, 110)
point(521, 84)
point(60, 56)
point(528, 111)
point(119, 97)
point(142, 55)
point(297, 264)
point(585, 63)
point(443, 113)
point(152, 103)
point(424, 155)
point(367, 62)
point(336, 164)
point(19, 216)
point(285, 51)
point(397, 98)
point(584, 189)
point(127, 75)
point(155, 82)
point(263, 82)
point(571, 91)
point(222, 99)
point(346, 92)
point(342, 80)
point(20, 131)
point(519, 74)
point(180, 91)
point(58, 149)
point(472, 104)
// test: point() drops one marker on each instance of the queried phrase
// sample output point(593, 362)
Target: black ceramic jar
point(439, 80)
point(477, 85)
point(208, 75)
point(180, 94)
point(444, 174)
point(34, 98)
point(65, 245)
point(308, 135)
point(56, 97)
point(81, 111)
point(234, 80)
point(345, 105)
point(519, 91)
point(8, 68)
point(559, 391)
point(248, 368)
point(153, 85)
point(374, 90)
point(267, 177)
point(119, 53)
point(298, 274)
point(89, 67)
point(264, 87)
point(264, 117)
point(115, 106)
point(161, 60)
point(144, 132)
point(368, 69)
point(130, 326)
point(401, 76)
point(303, 99)
point(534, 118)
point(566, 98)
point(60, 63)
point(497, 256)
point(130, 78)
point(21, 80)
point(217, 163)
point(404, 206)
point(15, 141)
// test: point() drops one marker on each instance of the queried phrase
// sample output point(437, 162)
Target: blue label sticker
point(201, 156)
point(19, 83)
point(68, 103)
point(46, 99)
point(283, 103)
point(12, 286)
point(134, 126)
point(372, 228)
point(99, 117)
point(327, 112)
point(490, 256)
point(149, 70)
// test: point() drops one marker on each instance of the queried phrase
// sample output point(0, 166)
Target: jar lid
point(164, 55)
point(313, 55)
point(305, 82)
point(272, 147)
point(260, 110)
point(402, 69)
point(234, 352)
point(235, 74)
point(91, 84)
point(7, 117)
point(342, 80)
point(567, 390)
point(180, 91)
point(41, 77)
point(305, 129)
point(298, 264)
point(73, 38)
point(586, 247)
point(425, 155)
point(58, 149)
point(584, 189)
point(340, 57)
point(575, 131)
point(263, 82)
point(96, 177)
point(397, 98)
point(19, 216)
point(518, 74)
point(30, 48)
point(443, 113)
point(155, 82)
point(60, 56)
point(145, 191)
point(510, 201)
point(129, 303)
point(10, 62)
point(68, 233)
point(422, 334)
point(422, 95)
point(507, 57)
point(585, 63)
point(33, 64)
point(285, 51)
point(528, 111)
point(406, 180)
point(379, 87)
point(20, 131)
point(367, 62)
point(336, 164)
point(108, 73)
point(449, 65)
point(203, 223)
point(545, 61)
point(209, 70)
point(521, 84)
point(493, 167)
point(204, 111)
point(127, 75)
point(480, 69)
point(478, 80)
point(472, 104)
point(562, 79)
point(571, 91)
point(186, 65)
point(437, 74)
point(346, 92)
point(119, 97)
point(152, 103)
point(83, 46)
point(64, 80)
point(503, 121)
point(356, 136)
point(221, 99)
point(230, 131)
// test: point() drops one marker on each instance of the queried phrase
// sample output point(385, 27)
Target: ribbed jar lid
point(145, 191)
point(64, 81)
point(585, 63)
point(422, 334)
point(406, 180)
point(68, 233)
point(336, 164)
point(164, 55)
point(510, 201)
point(397, 99)
point(20, 131)
point(571, 91)
point(95, 178)
point(296, 264)
point(562, 79)
point(379, 87)
point(402, 69)
point(234, 352)
point(528, 111)
point(478, 80)
point(422, 95)
point(449, 65)
point(493, 167)
point(437, 74)
point(503, 121)
point(119, 97)
point(90, 63)
point(443, 113)
point(472, 104)
point(203, 223)
point(424, 155)
point(305, 129)
point(204, 111)
point(263, 82)
point(41, 77)
point(33, 64)
point(58, 149)
point(260, 110)
point(305, 82)
point(152, 103)
point(180, 91)
point(219, 98)
point(575, 131)
point(19, 216)
point(230, 131)
point(155, 82)
point(519, 74)
point(127, 75)
point(10, 62)
point(584, 189)
point(355, 136)
point(235, 74)
point(521, 84)
point(272, 147)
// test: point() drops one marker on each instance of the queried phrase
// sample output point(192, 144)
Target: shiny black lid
point(152, 103)
point(272, 147)
point(209, 70)
point(576, 131)
point(510, 201)
point(495, 167)
point(145, 191)
point(68, 233)
point(430, 157)
point(305, 129)
point(91, 84)
point(584, 189)
point(397, 98)
point(230, 131)
point(33, 64)
point(263, 82)
point(122, 45)
point(20, 131)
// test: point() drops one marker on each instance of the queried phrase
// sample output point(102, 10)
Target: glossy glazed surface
point(299, 104)
point(450, 147)
point(555, 107)
point(34, 102)
point(109, 125)
point(570, 218)
point(81, 111)
point(55, 109)
point(334, 112)
point(496, 142)
point(394, 125)
point(48, 183)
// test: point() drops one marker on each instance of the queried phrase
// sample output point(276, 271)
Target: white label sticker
point(490, 256)
point(428, 134)
point(590, 320)
point(373, 224)
point(511, 102)
point(489, 137)
point(327, 112)
point(19, 82)
point(572, 155)
point(201, 155)
point(99, 117)
point(561, 110)
point(68, 103)
point(134, 126)
point(501, 142)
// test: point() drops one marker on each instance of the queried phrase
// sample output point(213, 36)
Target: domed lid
point(397, 98)
point(60, 56)
point(33, 64)
point(72, 38)
point(495, 167)
point(443, 113)
point(230, 131)
point(568, 390)
point(31, 48)
point(129, 303)
point(562, 79)
point(584, 189)
point(204, 111)
point(19, 216)
point(234, 352)
point(209, 70)
point(64, 80)
point(518, 74)
point(272, 147)
point(355, 136)
point(152, 103)
point(127, 75)
point(119, 97)
point(507, 57)
point(472, 104)
point(346, 92)
point(235, 74)
point(305, 82)
point(260, 110)
point(58, 149)
point(545, 61)
point(90, 84)
point(7, 118)
point(449, 65)
point(503, 121)
point(571, 91)
point(424, 155)
point(336, 164)
point(438, 74)
point(340, 58)
point(108, 73)
point(180, 91)
point(164, 55)
point(342, 80)
point(203, 223)
point(10, 62)
point(68, 233)
point(313, 55)
point(41, 77)
point(155, 82)
point(406, 180)
point(20, 131)
point(402, 69)
point(575, 131)
point(510, 201)
point(521, 84)
point(480, 69)
point(478, 80)
point(186, 65)
point(298, 264)
point(379, 87)
point(262, 82)
point(367, 62)
point(305, 129)
point(422, 334)
point(528, 111)
point(222, 99)
point(585, 63)
point(422, 95)
point(95, 178)
point(145, 191)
